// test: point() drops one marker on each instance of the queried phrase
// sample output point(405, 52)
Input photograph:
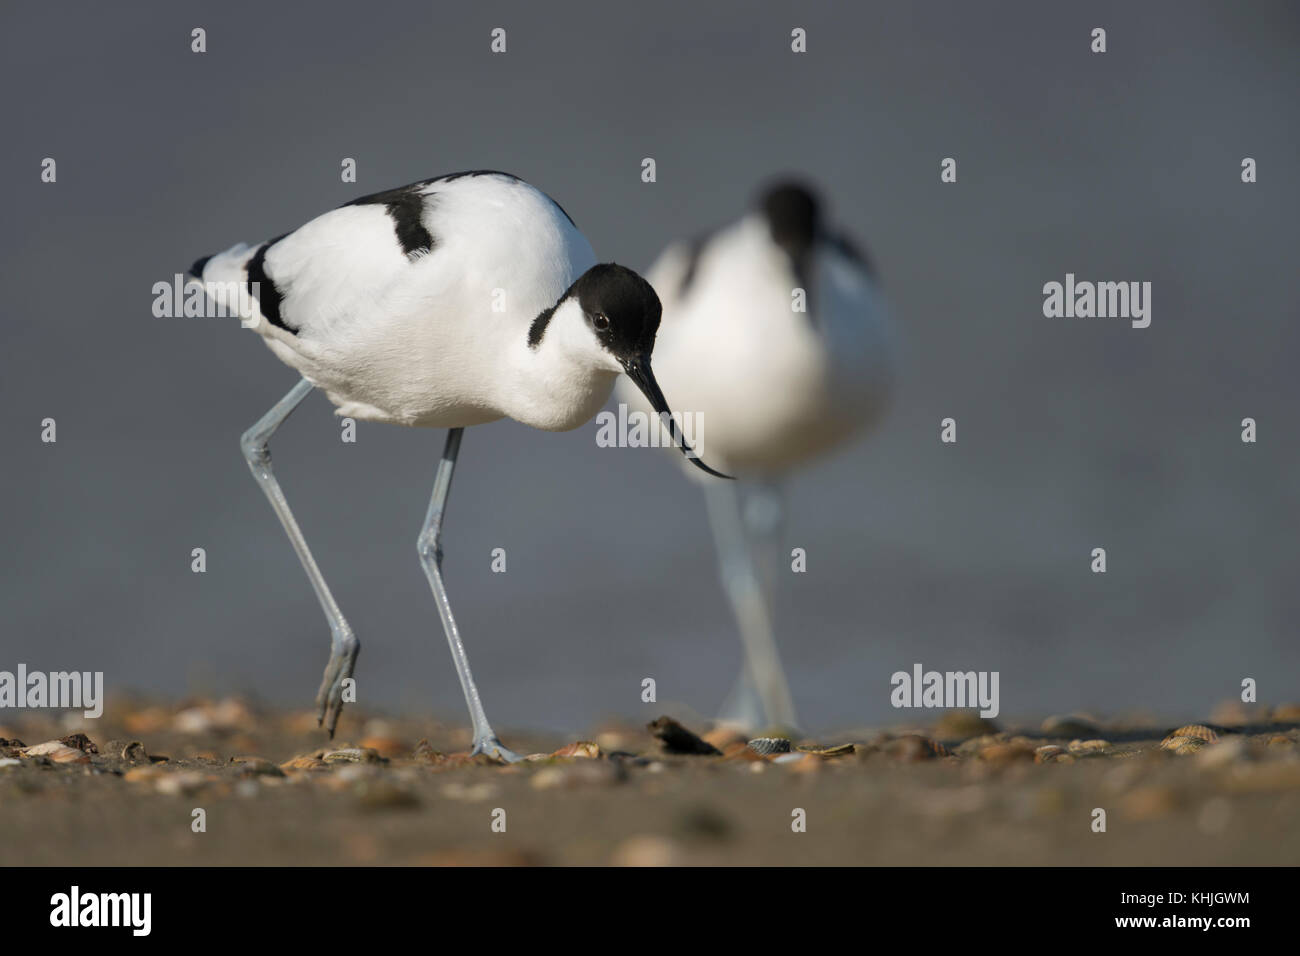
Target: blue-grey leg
point(428, 544)
point(747, 533)
point(344, 645)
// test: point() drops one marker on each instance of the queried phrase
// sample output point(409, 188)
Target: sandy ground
point(403, 791)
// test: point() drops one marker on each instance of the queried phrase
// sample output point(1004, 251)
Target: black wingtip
point(196, 270)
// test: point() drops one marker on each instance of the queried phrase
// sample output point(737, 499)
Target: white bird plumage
point(450, 302)
point(435, 338)
point(772, 388)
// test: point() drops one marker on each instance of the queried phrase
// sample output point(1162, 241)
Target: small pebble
point(352, 755)
point(615, 740)
point(181, 783)
point(646, 851)
point(1006, 753)
point(142, 774)
point(809, 763)
point(973, 746)
point(724, 736)
point(305, 762)
point(1048, 754)
point(548, 778)
point(1071, 726)
point(821, 750)
point(1088, 747)
point(134, 752)
point(425, 753)
point(597, 773)
point(739, 750)
point(1200, 731)
point(80, 742)
point(912, 748)
point(385, 746)
point(223, 715)
point(70, 755)
point(963, 724)
point(582, 748)
point(50, 746)
point(256, 766)
point(676, 739)
point(1182, 745)
point(58, 752)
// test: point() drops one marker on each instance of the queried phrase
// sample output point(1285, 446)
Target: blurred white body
point(773, 388)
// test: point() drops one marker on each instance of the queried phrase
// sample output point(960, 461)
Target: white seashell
point(49, 747)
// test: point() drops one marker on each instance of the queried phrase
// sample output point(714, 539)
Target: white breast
point(773, 387)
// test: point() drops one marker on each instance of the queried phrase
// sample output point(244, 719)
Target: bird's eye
point(601, 321)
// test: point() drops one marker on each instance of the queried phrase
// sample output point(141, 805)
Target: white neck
point(564, 380)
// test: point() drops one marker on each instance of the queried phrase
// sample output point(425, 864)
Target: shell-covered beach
point(226, 782)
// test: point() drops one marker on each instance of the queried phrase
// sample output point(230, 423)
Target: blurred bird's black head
point(793, 216)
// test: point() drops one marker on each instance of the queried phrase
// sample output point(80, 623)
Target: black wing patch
point(405, 206)
point(263, 288)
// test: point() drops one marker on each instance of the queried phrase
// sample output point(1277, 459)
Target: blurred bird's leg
point(747, 534)
point(428, 544)
point(742, 709)
point(344, 645)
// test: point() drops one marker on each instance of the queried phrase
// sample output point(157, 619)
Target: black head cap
point(621, 308)
point(623, 311)
point(792, 213)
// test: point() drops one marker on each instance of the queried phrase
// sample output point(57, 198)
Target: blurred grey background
point(1073, 433)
